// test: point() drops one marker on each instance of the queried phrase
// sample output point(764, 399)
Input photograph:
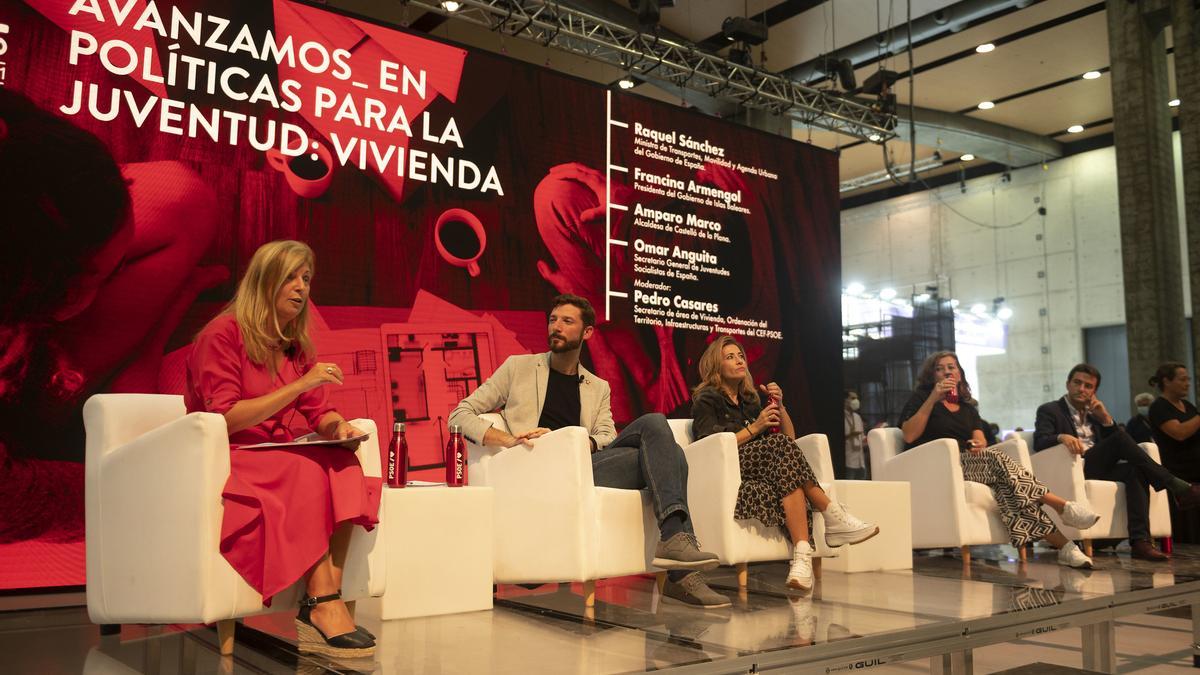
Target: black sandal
point(355, 644)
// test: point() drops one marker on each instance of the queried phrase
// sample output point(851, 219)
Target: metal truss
point(556, 25)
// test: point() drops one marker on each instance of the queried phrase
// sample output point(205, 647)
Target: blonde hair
point(710, 367)
point(254, 303)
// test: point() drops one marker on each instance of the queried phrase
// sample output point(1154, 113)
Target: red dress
point(281, 505)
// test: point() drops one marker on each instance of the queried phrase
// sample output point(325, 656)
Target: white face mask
point(854, 404)
point(1143, 410)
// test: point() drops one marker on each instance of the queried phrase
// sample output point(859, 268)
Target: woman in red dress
point(288, 511)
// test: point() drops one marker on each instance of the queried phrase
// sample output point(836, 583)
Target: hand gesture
point(527, 437)
point(1073, 444)
point(321, 374)
point(1100, 411)
point(345, 430)
point(769, 417)
point(773, 391)
point(941, 388)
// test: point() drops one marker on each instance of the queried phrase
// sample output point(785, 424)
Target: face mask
point(854, 404)
point(1143, 410)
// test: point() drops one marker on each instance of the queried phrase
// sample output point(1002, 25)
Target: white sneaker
point(842, 527)
point(1071, 556)
point(800, 575)
point(1078, 516)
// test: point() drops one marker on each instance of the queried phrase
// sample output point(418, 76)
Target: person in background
point(1175, 424)
point(991, 432)
point(778, 485)
point(1080, 421)
point(1138, 426)
point(942, 407)
point(856, 468)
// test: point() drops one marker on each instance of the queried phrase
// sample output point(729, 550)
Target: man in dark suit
point(1081, 422)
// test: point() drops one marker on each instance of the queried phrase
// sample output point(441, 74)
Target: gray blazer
point(518, 390)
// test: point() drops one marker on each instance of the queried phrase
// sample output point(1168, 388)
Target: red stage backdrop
point(448, 194)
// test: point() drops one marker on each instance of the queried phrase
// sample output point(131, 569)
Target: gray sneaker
point(682, 552)
point(692, 590)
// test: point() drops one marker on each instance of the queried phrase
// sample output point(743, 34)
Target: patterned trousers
point(773, 466)
point(1016, 491)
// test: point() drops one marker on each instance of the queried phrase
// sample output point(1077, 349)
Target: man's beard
point(564, 346)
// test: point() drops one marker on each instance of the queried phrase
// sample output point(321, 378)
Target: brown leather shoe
point(1189, 499)
point(1143, 549)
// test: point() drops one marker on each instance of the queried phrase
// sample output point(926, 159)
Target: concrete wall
point(1060, 273)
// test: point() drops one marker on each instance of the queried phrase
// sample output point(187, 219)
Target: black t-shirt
point(959, 426)
point(1181, 458)
point(562, 402)
point(713, 412)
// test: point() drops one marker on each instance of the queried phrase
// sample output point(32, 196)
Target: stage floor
point(941, 614)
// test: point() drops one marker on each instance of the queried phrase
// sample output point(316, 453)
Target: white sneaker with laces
point(843, 527)
point(1071, 556)
point(800, 575)
point(1078, 516)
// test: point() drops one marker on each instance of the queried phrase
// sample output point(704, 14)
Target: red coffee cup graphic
point(460, 239)
point(308, 174)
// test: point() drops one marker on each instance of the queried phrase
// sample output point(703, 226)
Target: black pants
point(1138, 472)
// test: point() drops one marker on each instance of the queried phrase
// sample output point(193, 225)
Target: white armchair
point(947, 510)
point(1062, 472)
point(714, 475)
point(552, 523)
point(152, 489)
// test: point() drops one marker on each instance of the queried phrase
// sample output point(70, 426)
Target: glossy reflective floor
point(633, 629)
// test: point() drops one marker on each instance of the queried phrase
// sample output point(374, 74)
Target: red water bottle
point(952, 395)
point(397, 469)
point(456, 458)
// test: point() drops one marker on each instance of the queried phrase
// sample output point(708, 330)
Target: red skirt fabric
point(283, 504)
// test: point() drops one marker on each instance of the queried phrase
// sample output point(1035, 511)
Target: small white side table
point(439, 550)
point(885, 503)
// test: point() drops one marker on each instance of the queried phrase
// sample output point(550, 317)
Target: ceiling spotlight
point(986, 105)
point(979, 309)
point(924, 297)
point(1075, 129)
point(954, 302)
point(451, 5)
point(874, 138)
point(985, 48)
point(855, 288)
point(1004, 313)
point(887, 294)
point(1091, 75)
point(967, 157)
point(1174, 103)
point(626, 82)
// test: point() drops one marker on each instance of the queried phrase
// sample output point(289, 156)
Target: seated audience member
point(991, 432)
point(538, 393)
point(778, 485)
point(1080, 421)
point(856, 465)
point(288, 510)
point(1176, 428)
point(1138, 426)
point(942, 407)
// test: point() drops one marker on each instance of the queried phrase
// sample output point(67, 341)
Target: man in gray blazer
point(537, 393)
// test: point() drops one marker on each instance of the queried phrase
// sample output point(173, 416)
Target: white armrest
point(1061, 471)
point(938, 494)
point(1017, 451)
point(368, 450)
point(1152, 450)
point(154, 522)
point(714, 475)
point(816, 450)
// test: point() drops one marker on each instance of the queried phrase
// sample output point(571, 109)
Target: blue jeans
point(645, 455)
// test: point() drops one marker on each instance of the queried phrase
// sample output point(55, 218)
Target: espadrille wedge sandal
point(355, 644)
